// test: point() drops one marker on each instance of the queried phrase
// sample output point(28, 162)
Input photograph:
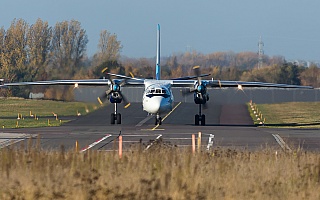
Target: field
point(38, 113)
point(291, 114)
point(159, 173)
point(162, 172)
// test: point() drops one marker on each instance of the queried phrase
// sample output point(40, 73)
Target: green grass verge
point(291, 114)
point(42, 112)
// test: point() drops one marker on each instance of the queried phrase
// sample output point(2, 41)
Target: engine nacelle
point(115, 97)
point(200, 98)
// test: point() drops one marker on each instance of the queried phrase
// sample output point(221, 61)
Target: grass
point(36, 113)
point(159, 173)
point(291, 114)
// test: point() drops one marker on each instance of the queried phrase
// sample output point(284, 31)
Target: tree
point(311, 76)
point(39, 39)
point(289, 74)
point(109, 46)
point(69, 42)
point(14, 51)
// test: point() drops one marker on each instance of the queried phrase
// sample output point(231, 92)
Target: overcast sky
point(290, 28)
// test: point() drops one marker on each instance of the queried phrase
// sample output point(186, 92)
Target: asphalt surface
point(227, 125)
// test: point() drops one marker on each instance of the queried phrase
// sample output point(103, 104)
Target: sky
point(289, 28)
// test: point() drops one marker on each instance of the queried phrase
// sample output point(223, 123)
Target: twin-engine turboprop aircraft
point(157, 97)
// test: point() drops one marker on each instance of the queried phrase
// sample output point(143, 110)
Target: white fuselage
point(157, 97)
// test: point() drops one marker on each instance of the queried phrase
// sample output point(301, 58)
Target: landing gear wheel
point(203, 120)
point(113, 118)
point(196, 119)
point(118, 118)
point(158, 121)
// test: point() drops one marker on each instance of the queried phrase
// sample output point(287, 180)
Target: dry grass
point(159, 173)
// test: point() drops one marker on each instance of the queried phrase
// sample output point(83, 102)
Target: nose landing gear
point(115, 116)
point(158, 120)
point(200, 118)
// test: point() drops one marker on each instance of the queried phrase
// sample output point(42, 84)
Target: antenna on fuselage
point(158, 70)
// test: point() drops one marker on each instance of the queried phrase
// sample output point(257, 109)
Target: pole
point(193, 143)
point(199, 141)
point(120, 146)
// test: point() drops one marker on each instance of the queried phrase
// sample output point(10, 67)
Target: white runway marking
point(210, 143)
point(144, 120)
point(159, 136)
point(282, 144)
point(95, 143)
point(7, 139)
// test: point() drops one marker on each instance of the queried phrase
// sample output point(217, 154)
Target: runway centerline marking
point(144, 120)
point(166, 117)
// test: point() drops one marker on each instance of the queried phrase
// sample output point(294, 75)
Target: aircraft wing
point(218, 83)
point(239, 84)
point(86, 82)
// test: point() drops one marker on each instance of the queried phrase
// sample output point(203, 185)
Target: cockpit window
point(157, 92)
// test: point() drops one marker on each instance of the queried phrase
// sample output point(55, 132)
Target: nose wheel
point(158, 120)
point(200, 118)
point(115, 117)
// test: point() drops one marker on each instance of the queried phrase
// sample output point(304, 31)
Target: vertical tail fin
point(158, 69)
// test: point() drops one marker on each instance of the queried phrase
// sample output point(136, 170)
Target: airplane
point(157, 97)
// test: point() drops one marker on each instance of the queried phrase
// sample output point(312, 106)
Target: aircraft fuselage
point(157, 97)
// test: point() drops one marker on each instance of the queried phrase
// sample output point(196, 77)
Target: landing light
point(240, 87)
point(76, 85)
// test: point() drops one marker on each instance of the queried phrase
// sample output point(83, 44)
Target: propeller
point(199, 88)
point(114, 91)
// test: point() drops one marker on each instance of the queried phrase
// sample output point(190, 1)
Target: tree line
point(42, 52)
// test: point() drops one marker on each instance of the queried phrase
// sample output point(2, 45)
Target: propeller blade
point(103, 97)
point(123, 82)
point(124, 99)
point(104, 69)
point(187, 91)
point(108, 92)
point(205, 106)
point(197, 73)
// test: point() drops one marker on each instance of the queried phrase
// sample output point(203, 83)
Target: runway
point(227, 126)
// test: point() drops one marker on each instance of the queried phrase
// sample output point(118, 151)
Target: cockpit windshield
point(157, 92)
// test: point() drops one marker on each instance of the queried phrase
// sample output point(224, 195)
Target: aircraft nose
point(155, 105)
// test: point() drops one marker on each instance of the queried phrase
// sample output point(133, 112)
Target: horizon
point(288, 28)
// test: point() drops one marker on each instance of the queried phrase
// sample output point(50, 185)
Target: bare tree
point(108, 48)
point(69, 42)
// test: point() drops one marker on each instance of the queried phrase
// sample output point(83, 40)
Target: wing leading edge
point(218, 83)
point(140, 82)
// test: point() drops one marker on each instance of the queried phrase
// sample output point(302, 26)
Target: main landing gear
point(115, 117)
point(200, 118)
point(158, 120)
